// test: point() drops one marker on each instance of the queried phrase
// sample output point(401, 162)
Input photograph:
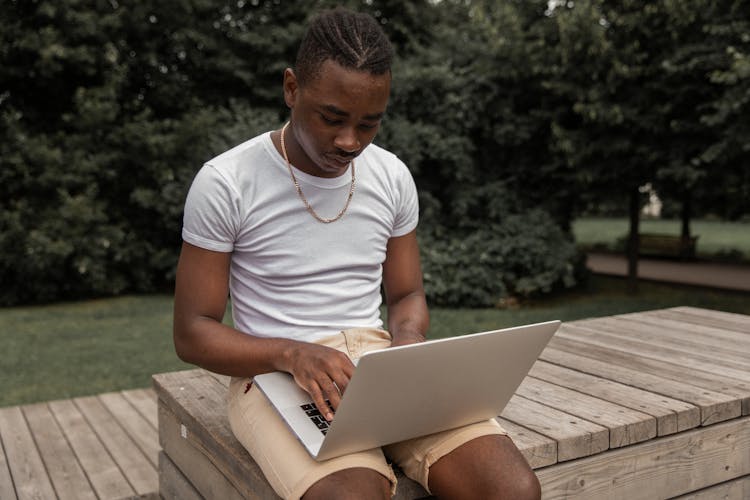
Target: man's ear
point(290, 87)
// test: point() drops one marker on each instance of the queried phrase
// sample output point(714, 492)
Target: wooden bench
point(667, 245)
point(200, 457)
point(644, 405)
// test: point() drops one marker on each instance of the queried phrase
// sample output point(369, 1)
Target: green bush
point(521, 255)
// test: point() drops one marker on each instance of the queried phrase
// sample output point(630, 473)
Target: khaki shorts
point(288, 467)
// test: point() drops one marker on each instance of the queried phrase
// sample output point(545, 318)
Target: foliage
point(642, 81)
point(728, 113)
point(496, 264)
point(107, 112)
point(513, 117)
point(474, 149)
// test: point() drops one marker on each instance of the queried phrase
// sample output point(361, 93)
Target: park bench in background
point(645, 405)
point(667, 245)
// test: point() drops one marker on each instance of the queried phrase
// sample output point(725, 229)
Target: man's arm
point(408, 318)
point(200, 338)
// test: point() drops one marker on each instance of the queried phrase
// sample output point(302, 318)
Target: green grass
point(82, 348)
point(602, 296)
point(716, 239)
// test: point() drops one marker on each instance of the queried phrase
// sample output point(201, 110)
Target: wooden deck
point(103, 447)
point(646, 405)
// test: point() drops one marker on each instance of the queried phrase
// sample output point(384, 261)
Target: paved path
point(724, 276)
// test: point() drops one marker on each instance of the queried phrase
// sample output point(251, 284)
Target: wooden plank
point(66, 474)
point(712, 382)
point(138, 428)
point(26, 467)
point(538, 450)
point(705, 321)
point(709, 317)
point(633, 371)
point(102, 471)
point(222, 379)
point(138, 470)
point(686, 339)
point(173, 485)
point(625, 426)
point(689, 360)
point(145, 402)
point(661, 468)
point(575, 436)
point(737, 489)
point(671, 414)
point(204, 419)
point(185, 450)
point(729, 339)
point(6, 481)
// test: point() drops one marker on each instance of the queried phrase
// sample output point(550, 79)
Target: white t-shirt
point(291, 275)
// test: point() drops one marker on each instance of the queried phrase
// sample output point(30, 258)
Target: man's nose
point(347, 140)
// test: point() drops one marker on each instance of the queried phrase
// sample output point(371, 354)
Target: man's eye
point(330, 121)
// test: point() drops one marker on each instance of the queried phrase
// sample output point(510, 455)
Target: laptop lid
point(408, 391)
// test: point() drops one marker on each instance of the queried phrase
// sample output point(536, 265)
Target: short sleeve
point(212, 212)
point(407, 214)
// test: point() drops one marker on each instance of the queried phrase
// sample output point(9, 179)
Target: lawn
point(81, 348)
point(73, 349)
point(720, 240)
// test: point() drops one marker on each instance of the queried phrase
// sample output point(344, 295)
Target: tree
point(631, 70)
point(728, 114)
point(705, 35)
point(467, 115)
point(107, 112)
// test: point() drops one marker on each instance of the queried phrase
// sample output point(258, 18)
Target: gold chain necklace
point(299, 189)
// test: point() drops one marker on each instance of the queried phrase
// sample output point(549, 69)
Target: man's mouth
point(343, 161)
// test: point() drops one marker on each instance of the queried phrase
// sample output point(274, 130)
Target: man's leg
point(287, 466)
point(475, 461)
point(351, 484)
point(486, 467)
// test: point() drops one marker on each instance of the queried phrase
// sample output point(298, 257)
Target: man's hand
point(321, 371)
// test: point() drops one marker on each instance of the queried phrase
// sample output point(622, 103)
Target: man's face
point(334, 117)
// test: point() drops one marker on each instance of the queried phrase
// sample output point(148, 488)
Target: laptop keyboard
point(319, 420)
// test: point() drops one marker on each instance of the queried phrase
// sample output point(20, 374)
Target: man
point(302, 226)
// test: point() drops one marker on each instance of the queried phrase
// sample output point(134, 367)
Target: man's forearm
point(408, 319)
point(222, 349)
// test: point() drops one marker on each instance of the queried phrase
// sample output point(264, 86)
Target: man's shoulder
point(384, 159)
point(380, 153)
point(241, 153)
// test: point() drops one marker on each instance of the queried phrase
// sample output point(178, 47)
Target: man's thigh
point(417, 456)
point(288, 467)
point(486, 467)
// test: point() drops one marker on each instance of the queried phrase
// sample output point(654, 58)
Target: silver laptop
point(404, 392)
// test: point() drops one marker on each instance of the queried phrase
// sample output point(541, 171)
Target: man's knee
point(521, 485)
point(351, 484)
point(486, 467)
point(525, 486)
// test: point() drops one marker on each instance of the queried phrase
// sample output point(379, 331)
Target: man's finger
point(319, 398)
point(333, 394)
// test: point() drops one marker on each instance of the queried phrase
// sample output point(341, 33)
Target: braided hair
point(353, 40)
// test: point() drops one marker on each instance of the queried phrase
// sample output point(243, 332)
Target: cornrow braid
point(353, 40)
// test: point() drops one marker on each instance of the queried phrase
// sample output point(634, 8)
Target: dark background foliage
point(513, 116)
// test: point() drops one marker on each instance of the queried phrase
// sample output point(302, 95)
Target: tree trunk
point(634, 213)
point(685, 215)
